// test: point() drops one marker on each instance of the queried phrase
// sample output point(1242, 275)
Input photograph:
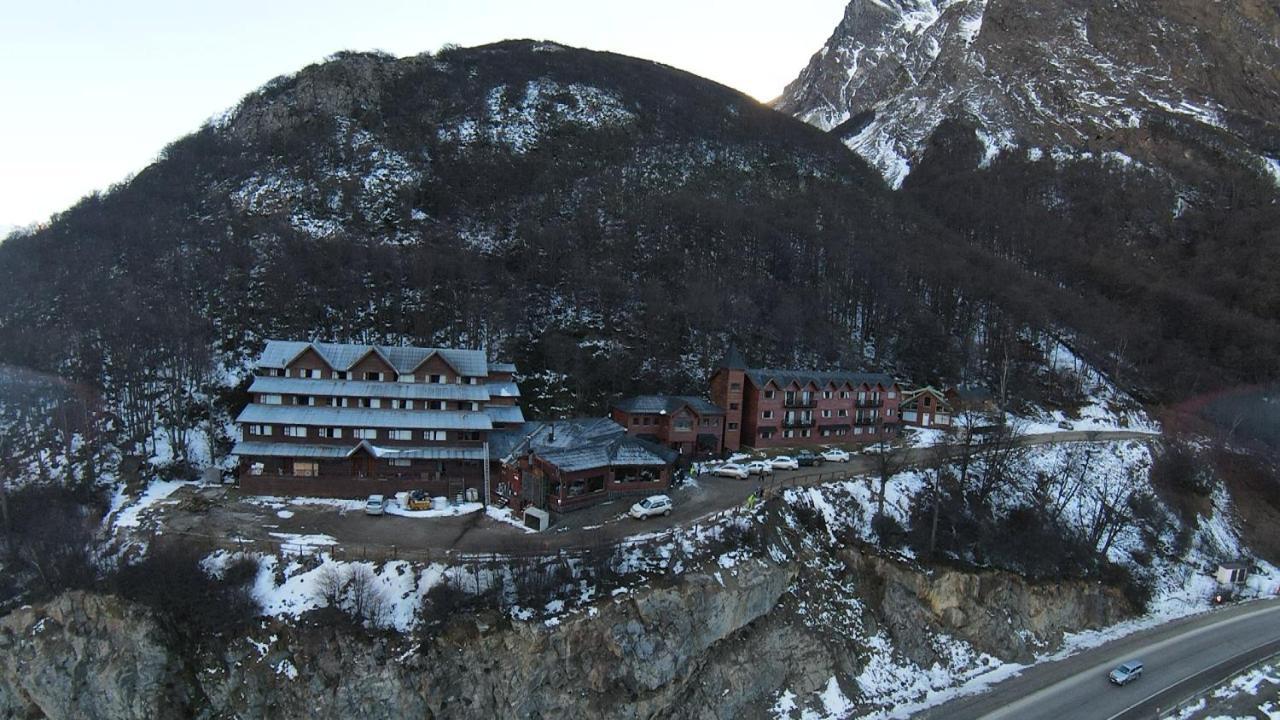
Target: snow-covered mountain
point(1164, 83)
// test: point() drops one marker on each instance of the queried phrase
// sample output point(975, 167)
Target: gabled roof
point(362, 388)
point(403, 359)
point(733, 359)
point(782, 378)
point(255, 448)
point(972, 393)
point(319, 416)
point(660, 404)
point(580, 444)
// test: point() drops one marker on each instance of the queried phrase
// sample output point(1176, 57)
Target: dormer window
point(374, 376)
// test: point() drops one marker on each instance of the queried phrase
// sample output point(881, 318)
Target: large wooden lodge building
point(328, 419)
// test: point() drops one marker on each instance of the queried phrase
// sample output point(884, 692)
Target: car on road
point(732, 470)
point(1126, 672)
point(760, 467)
point(650, 506)
point(808, 458)
point(785, 462)
point(835, 455)
point(375, 505)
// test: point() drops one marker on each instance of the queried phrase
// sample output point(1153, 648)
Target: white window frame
point(295, 431)
point(365, 433)
point(400, 462)
point(261, 430)
point(434, 435)
point(272, 399)
point(331, 433)
point(399, 434)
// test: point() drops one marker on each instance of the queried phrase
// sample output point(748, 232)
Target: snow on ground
point(1183, 585)
point(451, 510)
point(1106, 407)
point(303, 543)
point(504, 515)
point(123, 514)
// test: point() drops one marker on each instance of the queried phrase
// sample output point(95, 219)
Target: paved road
point(1180, 657)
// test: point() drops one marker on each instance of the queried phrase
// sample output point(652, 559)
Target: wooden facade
point(348, 420)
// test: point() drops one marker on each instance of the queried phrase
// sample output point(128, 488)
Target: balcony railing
point(864, 421)
point(799, 402)
point(798, 422)
point(869, 402)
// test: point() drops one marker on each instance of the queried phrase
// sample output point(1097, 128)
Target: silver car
point(1126, 672)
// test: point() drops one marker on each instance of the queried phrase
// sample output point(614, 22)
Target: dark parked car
point(806, 458)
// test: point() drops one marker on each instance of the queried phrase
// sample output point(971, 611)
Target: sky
point(94, 90)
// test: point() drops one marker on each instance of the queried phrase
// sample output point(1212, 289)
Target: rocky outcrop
point(87, 656)
point(996, 612)
point(1086, 74)
point(721, 643)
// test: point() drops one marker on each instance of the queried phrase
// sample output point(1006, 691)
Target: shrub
point(193, 605)
point(889, 532)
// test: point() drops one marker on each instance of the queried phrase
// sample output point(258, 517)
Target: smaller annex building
point(688, 424)
point(565, 465)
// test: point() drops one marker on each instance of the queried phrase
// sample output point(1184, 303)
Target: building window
point(842, 413)
point(892, 394)
point(635, 421)
point(272, 399)
point(766, 415)
point(366, 433)
point(304, 400)
point(435, 435)
point(826, 394)
point(475, 407)
point(766, 432)
point(259, 429)
point(788, 433)
point(342, 374)
point(400, 462)
point(295, 431)
point(277, 372)
point(768, 394)
point(469, 435)
point(371, 375)
point(306, 468)
point(399, 434)
point(682, 424)
point(437, 379)
point(733, 426)
point(405, 378)
point(331, 433)
point(844, 394)
point(435, 404)
point(735, 386)
point(370, 402)
point(806, 433)
point(857, 431)
point(826, 413)
point(401, 404)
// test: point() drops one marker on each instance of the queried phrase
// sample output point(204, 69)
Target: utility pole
point(486, 473)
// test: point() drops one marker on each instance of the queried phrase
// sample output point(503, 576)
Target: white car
point(375, 505)
point(650, 506)
point(760, 467)
point(835, 455)
point(733, 470)
point(785, 462)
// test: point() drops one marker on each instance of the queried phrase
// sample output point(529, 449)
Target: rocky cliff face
point(716, 644)
point(1082, 75)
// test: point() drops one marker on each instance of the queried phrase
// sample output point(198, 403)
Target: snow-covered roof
point(668, 404)
point(362, 388)
point(505, 413)
point(580, 444)
point(339, 356)
point(301, 450)
point(364, 417)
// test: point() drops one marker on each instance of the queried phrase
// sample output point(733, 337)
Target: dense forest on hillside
point(609, 224)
